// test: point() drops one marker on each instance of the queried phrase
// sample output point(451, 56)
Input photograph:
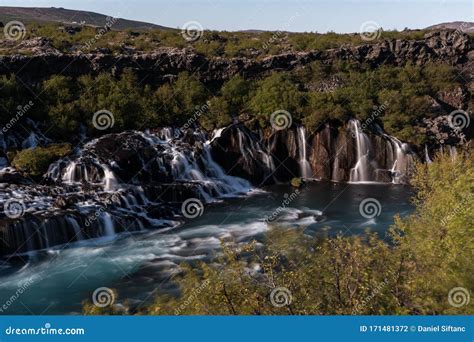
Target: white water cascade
point(186, 164)
point(427, 155)
point(110, 181)
point(107, 225)
point(305, 168)
point(362, 170)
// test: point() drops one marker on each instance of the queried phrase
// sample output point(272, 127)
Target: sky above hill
point(285, 15)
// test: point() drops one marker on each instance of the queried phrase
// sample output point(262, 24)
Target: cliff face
point(41, 60)
point(336, 153)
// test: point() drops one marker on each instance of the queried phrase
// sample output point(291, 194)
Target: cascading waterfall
point(305, 168)
point(106, 204)
point(399, 156)
point(361, 170)
point(110, 181)
point(253, 150)
point(427, 155)
point(137, 179)
point(107, 225)
point(395, 164)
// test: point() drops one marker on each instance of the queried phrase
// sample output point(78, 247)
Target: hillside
point(70, 17)
point(464, 26)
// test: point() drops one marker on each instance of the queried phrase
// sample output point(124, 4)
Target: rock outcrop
point(335, 153)
point(41, 60)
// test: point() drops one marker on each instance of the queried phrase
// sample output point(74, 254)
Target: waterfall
point(361, 171)
point(452, 152)
point(427, 155)
point(107, 225)
point(70, 173)
point(399, 155)
point(402, 159)
point(77, 228)
point(253, 150)
point(305, 168)
point(110, 181)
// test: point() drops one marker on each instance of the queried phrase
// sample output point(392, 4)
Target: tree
point(274, 93)
point(62, 108)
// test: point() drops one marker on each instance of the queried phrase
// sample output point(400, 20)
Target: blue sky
point(290, 15)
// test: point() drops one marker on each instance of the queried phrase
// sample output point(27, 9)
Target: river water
point(140, 266)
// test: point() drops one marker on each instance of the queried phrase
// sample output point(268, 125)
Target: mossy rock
point(297, 182)
point(35, 161)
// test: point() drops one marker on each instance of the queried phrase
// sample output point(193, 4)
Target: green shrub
point(35, 161)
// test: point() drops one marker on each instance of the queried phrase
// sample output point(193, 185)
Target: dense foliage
point(35, 161)
point(428, 254)
point(398, 98)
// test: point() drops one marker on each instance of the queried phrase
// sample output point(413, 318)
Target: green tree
point(274, 93)
point(60, 93)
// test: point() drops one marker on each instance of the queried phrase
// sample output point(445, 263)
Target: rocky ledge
point(38, 59)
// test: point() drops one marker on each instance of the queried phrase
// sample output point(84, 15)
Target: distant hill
point(70, 17)
point(464, 26)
